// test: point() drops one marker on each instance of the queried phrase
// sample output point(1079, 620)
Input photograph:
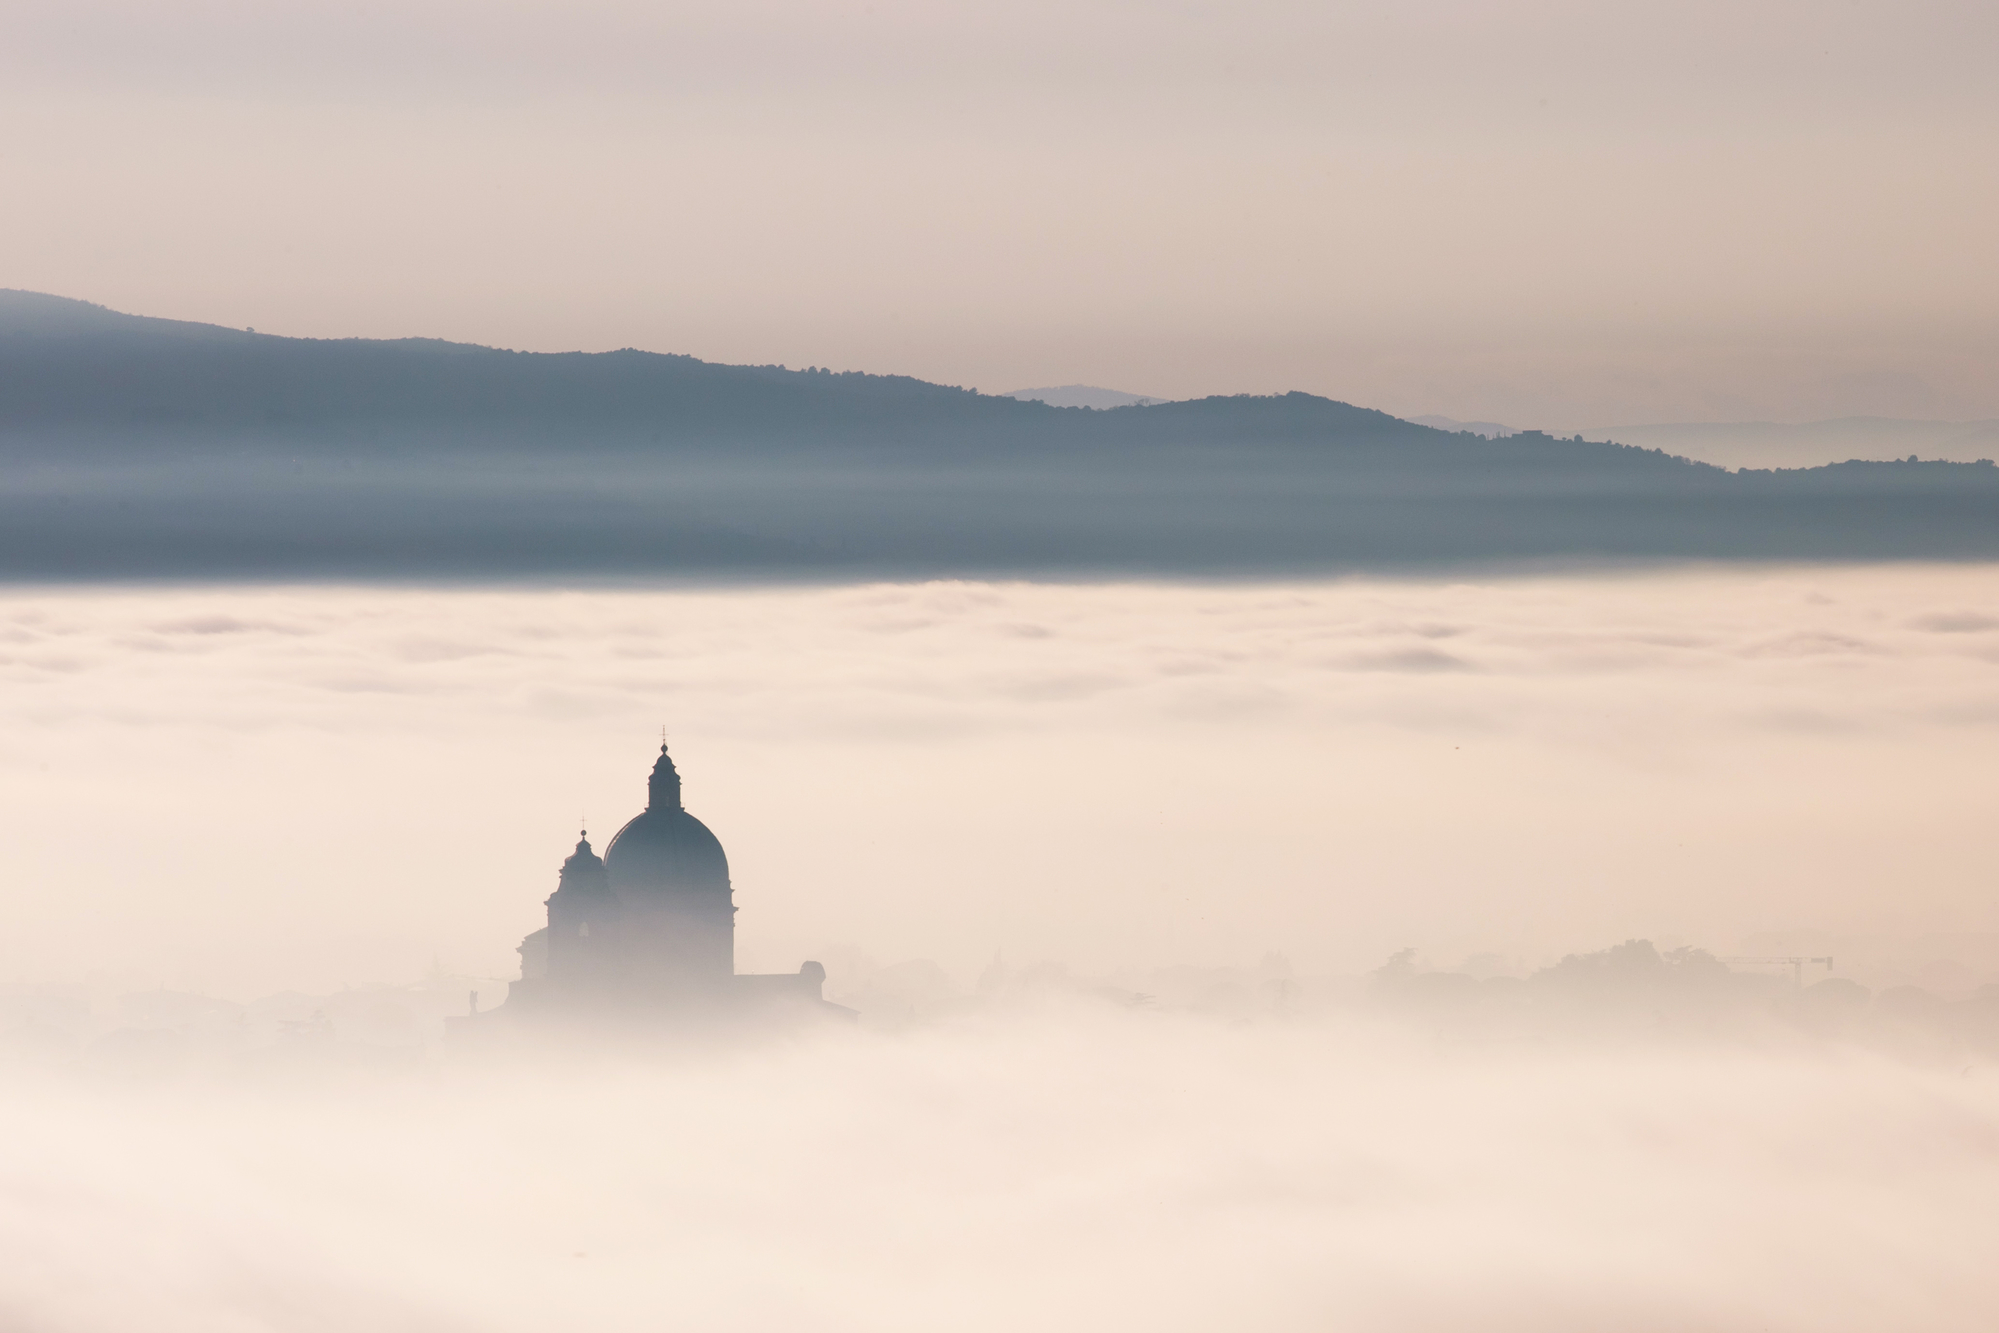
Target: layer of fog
point(1122, 879)
point(1129, 511)
point(241, 792)
point(1070, 1166)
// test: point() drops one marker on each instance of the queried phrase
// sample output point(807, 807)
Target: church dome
point(582, 872)
point(583, 860)
point(666, 850)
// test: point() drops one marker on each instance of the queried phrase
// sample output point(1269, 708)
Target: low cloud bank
point(250, 791)
point(1059, 1164)
point(1629, 997)
point(244, 819)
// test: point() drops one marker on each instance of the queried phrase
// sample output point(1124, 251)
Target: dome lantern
point(663, 789)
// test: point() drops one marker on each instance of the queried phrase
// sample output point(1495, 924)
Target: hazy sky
point(1560, 213)
point(241, 790)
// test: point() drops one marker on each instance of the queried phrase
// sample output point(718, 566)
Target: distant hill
point(1491, 430)
point(134, 447)
point(1083, 395)
point(37, 315)
point(1766, 444)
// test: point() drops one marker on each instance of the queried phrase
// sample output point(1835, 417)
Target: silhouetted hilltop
point(70, 367)
point(1083, 395)
point(137, 446)
point(39, 316)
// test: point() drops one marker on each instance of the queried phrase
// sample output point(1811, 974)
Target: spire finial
point(663, 788)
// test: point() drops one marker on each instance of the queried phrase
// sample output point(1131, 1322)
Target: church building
point(649, 929)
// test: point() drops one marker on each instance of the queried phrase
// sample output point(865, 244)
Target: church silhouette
point(648, 930)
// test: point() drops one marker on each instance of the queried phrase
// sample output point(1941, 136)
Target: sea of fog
point(1208, 943)
point(1071, 1167)
point(237, 791)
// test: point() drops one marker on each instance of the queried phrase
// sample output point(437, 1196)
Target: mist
point(241, 790)
point(1069, 1166)
point(1208, 942)
point(1251, 860)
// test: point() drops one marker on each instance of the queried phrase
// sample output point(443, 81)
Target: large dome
point(666, 850)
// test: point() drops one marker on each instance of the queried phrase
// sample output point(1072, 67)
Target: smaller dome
point(584, 871)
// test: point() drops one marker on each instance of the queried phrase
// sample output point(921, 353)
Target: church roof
point(582, 856)
point(583, 874)
point(666, 849)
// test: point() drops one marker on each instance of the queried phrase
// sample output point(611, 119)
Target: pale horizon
point(1556, 216)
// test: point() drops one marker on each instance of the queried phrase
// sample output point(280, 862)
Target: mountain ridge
point(102, 375)
point(133, 447)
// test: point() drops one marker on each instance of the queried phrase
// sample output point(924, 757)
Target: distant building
point(648, 931)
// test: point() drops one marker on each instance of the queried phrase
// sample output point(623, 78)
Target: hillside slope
point(134, 447)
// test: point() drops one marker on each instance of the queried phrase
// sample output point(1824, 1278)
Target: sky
point(1547, 213)
point(238, 791)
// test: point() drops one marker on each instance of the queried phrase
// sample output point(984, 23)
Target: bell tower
point(583, 927)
